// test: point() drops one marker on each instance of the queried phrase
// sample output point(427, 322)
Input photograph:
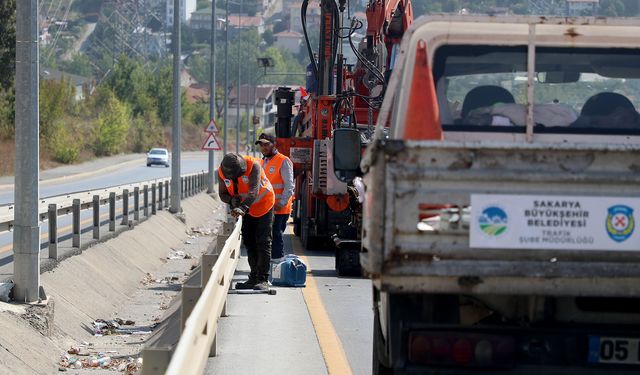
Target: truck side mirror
point(346, 153)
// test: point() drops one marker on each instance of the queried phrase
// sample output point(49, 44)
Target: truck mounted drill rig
point(344, 100)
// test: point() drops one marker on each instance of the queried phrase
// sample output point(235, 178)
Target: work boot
point(263, 285)
point(249, 284)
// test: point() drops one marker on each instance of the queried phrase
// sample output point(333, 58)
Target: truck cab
point(500, 211)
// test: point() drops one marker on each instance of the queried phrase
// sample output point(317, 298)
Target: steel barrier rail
point(194, 347)
point(64, 203)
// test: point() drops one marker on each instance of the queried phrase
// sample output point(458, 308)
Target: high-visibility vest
point(265, 199)
point(272, 169)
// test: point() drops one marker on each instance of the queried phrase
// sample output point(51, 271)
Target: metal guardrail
point(197, 341)
point(154, 193)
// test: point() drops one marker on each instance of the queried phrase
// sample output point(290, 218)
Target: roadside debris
point(103, 327)
point(179, 254)
point(5, 291)
point(128, 366)
point(147, 279)
point(200, 231)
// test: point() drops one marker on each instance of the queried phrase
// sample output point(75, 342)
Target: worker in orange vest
point(245, 187)
point(279, 171)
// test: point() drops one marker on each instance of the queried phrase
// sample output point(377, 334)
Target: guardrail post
point(75, 241)
point(96, 217)
point(193, 185)
point(136, 203)
point(125, 207)
point(112, 212)
point(160, 192)
point(166, 194)
point(53, 231)
point(191, 291)
point(145, 200)
point(181, 187)
point(153, 199)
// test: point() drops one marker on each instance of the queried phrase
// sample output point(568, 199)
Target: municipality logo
point(620, 222)
point(493, 221)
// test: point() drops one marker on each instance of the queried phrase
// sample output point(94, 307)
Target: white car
point(158, 156)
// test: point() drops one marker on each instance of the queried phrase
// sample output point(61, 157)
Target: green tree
point(79, 64)
point(62, 143)
point(7, 42)
point(146, 132)
point(7, 113)
point(56, 99)
point(111, 129)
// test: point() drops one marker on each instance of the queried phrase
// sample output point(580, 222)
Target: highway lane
point(323, 328)
point(129, 173)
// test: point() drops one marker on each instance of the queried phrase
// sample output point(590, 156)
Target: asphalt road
point(130, 172)
point(325, 327)
point(88, 178)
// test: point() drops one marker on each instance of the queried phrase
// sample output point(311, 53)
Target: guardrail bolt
point(125, 207)
point(112, 212)
point(160, 192)
point(145, 200)
point(75, 242)
point(53, 231)
point(136, 203)
point(96, 217)
point(153, 199)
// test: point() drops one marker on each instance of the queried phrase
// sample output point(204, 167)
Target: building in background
point(582, 7)
point(187, 7)
point(289, 40)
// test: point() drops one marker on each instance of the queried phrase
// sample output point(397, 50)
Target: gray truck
point(501, 199)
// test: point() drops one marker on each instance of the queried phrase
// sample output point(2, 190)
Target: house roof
point(243, 20)
point(246, 94)
point(288, 34)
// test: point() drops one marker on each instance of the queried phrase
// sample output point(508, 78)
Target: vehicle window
point(583, 90)
point(157, 152)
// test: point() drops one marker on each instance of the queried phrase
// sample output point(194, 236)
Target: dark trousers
point(256, 235)
point(279, 226)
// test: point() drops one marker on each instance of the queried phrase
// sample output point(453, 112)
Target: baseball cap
point(264, 138)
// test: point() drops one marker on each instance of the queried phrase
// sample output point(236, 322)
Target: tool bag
point(290, 272)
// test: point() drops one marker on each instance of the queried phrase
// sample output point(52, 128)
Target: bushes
point(62, 145)
point(111, 128)
point(146, 133)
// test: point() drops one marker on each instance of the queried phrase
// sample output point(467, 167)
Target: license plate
point(621, 350)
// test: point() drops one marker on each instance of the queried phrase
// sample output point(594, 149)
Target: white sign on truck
point(554, 222)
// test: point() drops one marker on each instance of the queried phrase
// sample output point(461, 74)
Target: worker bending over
point(245, 187)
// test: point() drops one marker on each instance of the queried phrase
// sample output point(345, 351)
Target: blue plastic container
point(290, 272)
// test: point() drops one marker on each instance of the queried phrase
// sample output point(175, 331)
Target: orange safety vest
point(272, 169)
point(265, 199)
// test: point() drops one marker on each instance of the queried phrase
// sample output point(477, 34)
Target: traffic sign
point(212, 143)
point(211, 128)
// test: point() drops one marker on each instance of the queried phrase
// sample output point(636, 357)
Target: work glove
point(235, 202)
point(237, 212)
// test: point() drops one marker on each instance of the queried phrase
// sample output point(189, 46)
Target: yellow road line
point(61, 231)
point(334, 356)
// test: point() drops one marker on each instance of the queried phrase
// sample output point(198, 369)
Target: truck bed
point(417, 238)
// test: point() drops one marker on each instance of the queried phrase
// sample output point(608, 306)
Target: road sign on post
point(212, 127)
point(211, 143)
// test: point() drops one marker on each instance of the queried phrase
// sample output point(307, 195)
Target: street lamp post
point(226, 76)
point(238, 120)
point(212, 93)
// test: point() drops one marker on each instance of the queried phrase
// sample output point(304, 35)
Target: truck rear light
point(461, 349)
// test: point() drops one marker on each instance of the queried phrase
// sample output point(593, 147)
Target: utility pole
point(212, 93)
point(26, 232)
point(238, 119)
point(226, 77)
point(177, 113)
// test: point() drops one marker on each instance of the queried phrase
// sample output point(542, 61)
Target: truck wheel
point(309, 242)
point(348, 262)
point(296, 218)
